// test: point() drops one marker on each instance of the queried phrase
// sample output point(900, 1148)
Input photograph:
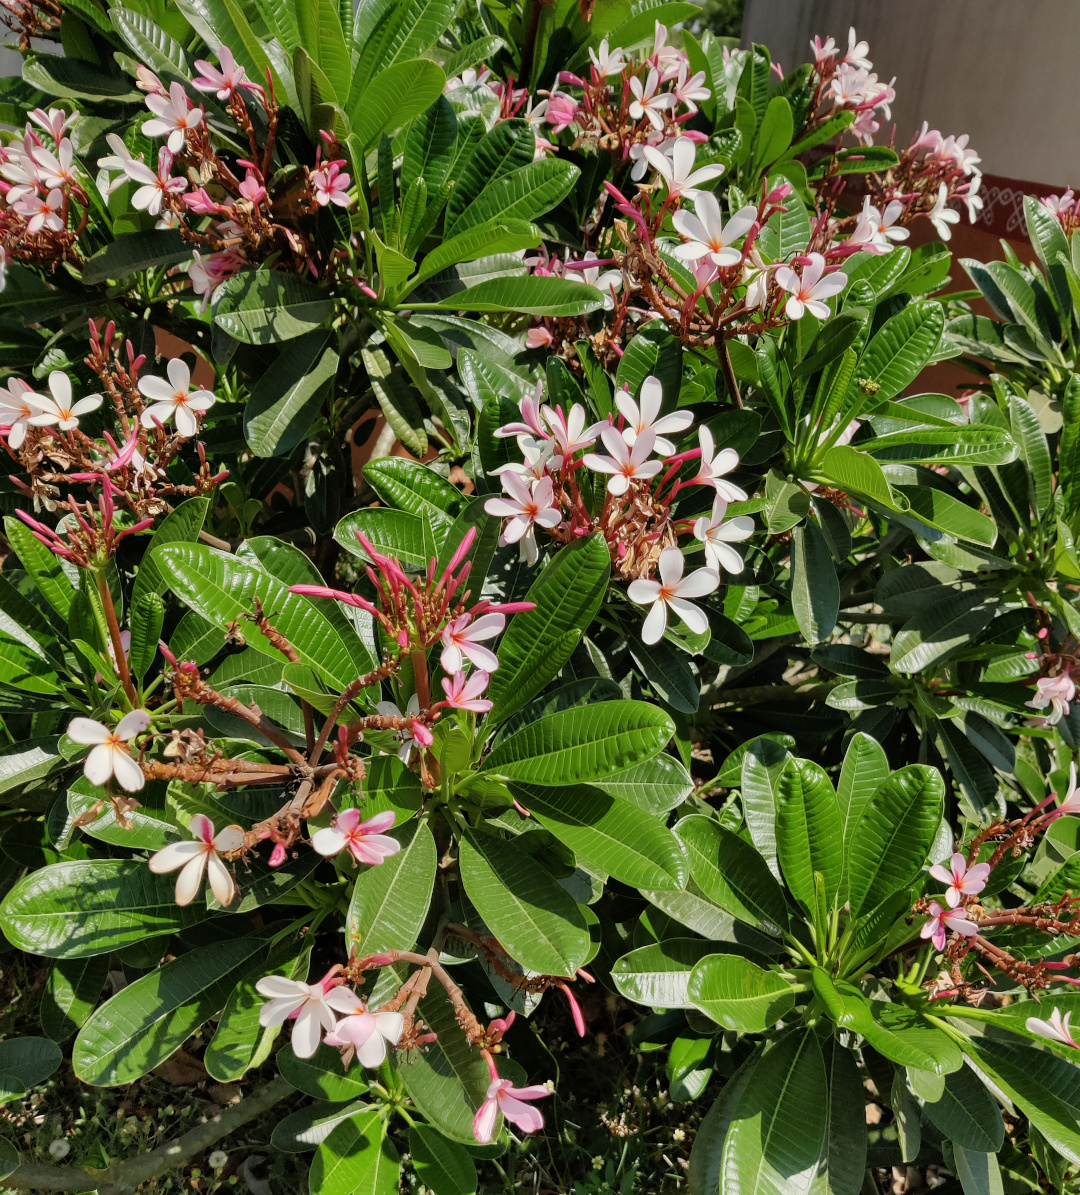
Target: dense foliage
point(665, 635)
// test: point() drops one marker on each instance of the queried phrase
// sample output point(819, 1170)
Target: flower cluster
point(641, 471)
point(1066, 208)
point(846, 83)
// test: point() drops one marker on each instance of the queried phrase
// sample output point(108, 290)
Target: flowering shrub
point(551, 697)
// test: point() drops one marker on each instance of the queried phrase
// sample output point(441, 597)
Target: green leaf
point(309, 1127)
point(523, 194)
point(397, 398)
point(321, 1075)
point(941, 628)
point(890, 841)
point(76, 80)
point(395, 532)
point(152, 46)
point(447, 1079)
point(24, 763)
point(608, 835)
point(441, 1164)
point(86, 907)
point(181, 525)
point(135, 252)
point(738, 994)
point(668, 671)
point(978, 1172)
point(731, 873)
point(1034, 452)
point(706, 1155)
point(573, 746)
point(657, 975)
point(394, 97)
point(410, 486)
point(530, 914)
point(657, 785)
point(285, 401)
point(809, 831)
point(149, 830)
point(529, 295)
point(222, 589)
point(815, 590)
point(844, 1156)
point(151, 1018)
point(901, 1034)
point(775, 133)
point(483, 240)
point(901, 348)
point(28, 1060)
point(268, 306)
point(855, 472)
point(42, 565)
point(538, 643)
point(357, 1158)
point(71, 992)
point(778, 1126)
point(967, 1113)
point(9, 1158)
point(390, 902)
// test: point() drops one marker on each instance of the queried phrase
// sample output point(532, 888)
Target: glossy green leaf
point(523, 194)
point(357, 1158)
point(441, 1164)
point(28, 1060)
point(657, 975)
point(843, 1163)
point(390, 902)
point(267, 306)
point(413, 487)
point(523, 906)
point(738, 994)
point(538, 643)
point(286, 400)
point(967, 1114)
point(889, 843)
point(307, 1128)
point(134, 252)
point(322, 1075)
point(72, 990)
point(608, 835)
point(939, 629)
point(809, 831)
point(396, 95)
point(901, 348)
point(42, 565)
point(657, 785)
point(151, 1018)
point(706, 1156)
point(531, 295)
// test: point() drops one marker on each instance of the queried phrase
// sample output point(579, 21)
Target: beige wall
point(1004, 71)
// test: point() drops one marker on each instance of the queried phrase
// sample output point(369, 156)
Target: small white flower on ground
point(197, 855)
point(174, 399)
point(678, 1135)
point(626, 463)
point(365, 840)
point(598, 1162)
point(310, 1006)
point(369, 1033)
point(218, 1160)
point(645, 413)
point(60, 1148)
point(718, 534)
point(110, 755)
point(708, 235)
point(809, 292)
point(671, 593)
point(60, 410)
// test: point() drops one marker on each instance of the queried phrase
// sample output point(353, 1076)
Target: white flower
point(174, 116)
point(857, 51)
point(218, 1159)
point(626, 463)
point(118, 160)
point(678, 171)
point(16, 412)
point(41, 211)
point(311, 1006)
point(59, 409)
point(941, 216)
point(715, 465)
point(110, 756)
point(646, 414)
point(707, 234)
point(606, 282)
point(389, 709)
point(974, 202)
point(570, 432)
point(809, 292)
point(690, 91)
point(60, 1148)
point(879, 228)
point(671, 592)
point(540, 460)
point(525, 508)
point(755, 275)
point(1056, 691)
point(368, 1033)
point(56, 170)
point(718, 534)
point(1056, 1029)
point(54, 122)
point(174, 399)
point(647, 102)
point(197, 855)
point(607, 61)
point(150, 196)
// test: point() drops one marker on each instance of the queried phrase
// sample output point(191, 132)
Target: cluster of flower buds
point(243, 222)
point(44, 204)
point(642, 470)
point(846, 83)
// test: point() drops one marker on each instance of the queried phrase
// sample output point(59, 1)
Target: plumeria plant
point(476, 534)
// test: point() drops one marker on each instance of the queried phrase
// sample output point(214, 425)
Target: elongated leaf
point(390, 902)
point(530, 295)
point(410, 486)
point(607, 834)
point(523, 194)
point(573, 746)
point(967, 1114)
point(443, 1165)
point(285, 401)
point(890, 842)
point(322, 1075)
point(656, 786)
point(134, 252)
point(483, 240)
point(396, 95)
point(815, 590)
point(71, 991)
point(42, 566)
point(939, 629)
point(778, 1128)
point(308, 1128)
point(843, 1163)
point(707, 1153)
point(732, 874)
point(538, 643)
point(531, 915)
point(357, 1159)
point(668, 671)
point(738, 994)
point(151, 1018)
point(809, 831)
point(901, 348)
point(267, 306)
point(657, 975)
point(855, 472)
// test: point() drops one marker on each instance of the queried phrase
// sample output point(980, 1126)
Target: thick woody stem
point(377, 676)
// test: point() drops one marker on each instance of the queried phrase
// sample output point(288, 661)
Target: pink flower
point(525, 508)
point(365, 840)
point(538, 338)
point(942, 920)
point(1056, 691)
point(1071, 804)
point(462, 637)
point(200, 202)
point(41, 211)
point(54, 122)
point(151, 195)
point(464, 694)
point(197, 855)
point(209, 272)
point(561, 111)
point(251, 189)
point(332, 185)
point(174, 117)
point(310, 1006)
point(809, 292)
point(671, 592)
point(532, 424)
point(714, 466)
point(368, 1033)
point(225, 81)
point(962, 880)
point(1056, 1029)
point(416, 735)
point(625, 464)
point(504, 1097)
